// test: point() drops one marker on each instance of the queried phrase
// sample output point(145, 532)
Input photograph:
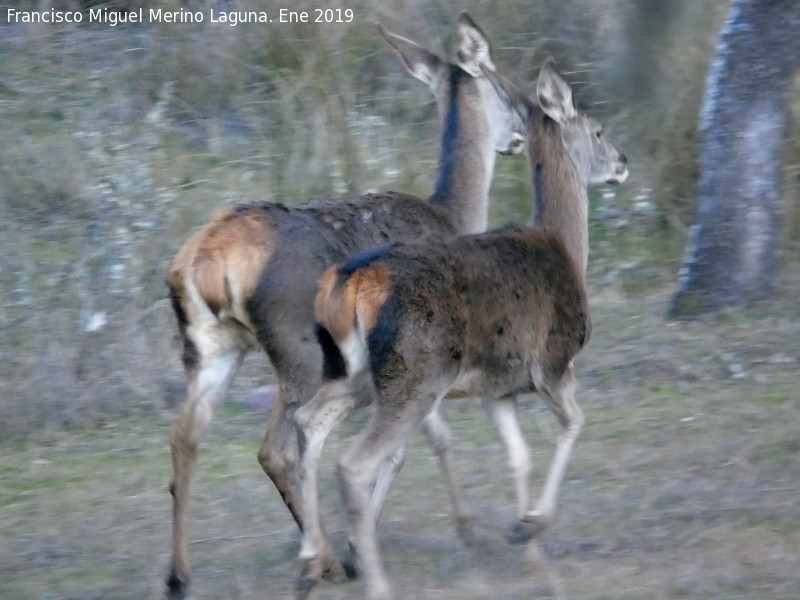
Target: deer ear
point(420, 62)
point(554, 93)
point(473, 49)
point(510, 94)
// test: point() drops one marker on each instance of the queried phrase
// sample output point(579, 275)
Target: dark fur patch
point(448, 159)
point(333, 365)
point(364, 259)
point(382, 338)
point(538, 193)
point(587, 331)
point(248, 207)
point(190, 356)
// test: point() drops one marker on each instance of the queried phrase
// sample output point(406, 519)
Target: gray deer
point(500, 313)
point(248, 278)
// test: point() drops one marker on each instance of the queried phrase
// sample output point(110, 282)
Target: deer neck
point(466, 160)
point(561, 203)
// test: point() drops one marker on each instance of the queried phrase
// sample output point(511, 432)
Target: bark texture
point(734, 247)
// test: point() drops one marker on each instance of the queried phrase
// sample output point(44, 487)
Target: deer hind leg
point(208, 383)
point(296, 362)
point(387, 471)
point(561, 399)
point(439, 437)
point(388, 430)
point(278, 454)
point(314, 422)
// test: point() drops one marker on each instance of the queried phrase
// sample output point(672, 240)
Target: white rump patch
point(354, 351)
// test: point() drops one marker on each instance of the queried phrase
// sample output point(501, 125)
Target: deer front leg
point(561, 399)
point(503, 412)
point(439, 437)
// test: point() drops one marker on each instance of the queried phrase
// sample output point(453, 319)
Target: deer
point(496, 314)
point(247, 280)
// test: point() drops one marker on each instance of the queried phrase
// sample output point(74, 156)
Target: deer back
point(257, 264)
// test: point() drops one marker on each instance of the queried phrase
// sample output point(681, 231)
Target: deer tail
point(347, 309)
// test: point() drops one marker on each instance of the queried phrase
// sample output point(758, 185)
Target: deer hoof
point(350, 563)
point(525, 529)
point(351, 568)
point(466, 530)
point(304, 585)
point(177, 585)
point(334, 571)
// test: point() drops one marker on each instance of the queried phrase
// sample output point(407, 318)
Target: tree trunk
point(734, 247)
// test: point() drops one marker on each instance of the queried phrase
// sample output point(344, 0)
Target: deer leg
point(561, 399)
point(297, 361)
point(278, 452)
point(298, 373)
point(208, 384)
point(503, 412)
point(314, 422)
point(388, 430)
point(387, 471)
point(439, 437)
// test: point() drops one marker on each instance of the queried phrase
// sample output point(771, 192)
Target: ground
point(683, 485)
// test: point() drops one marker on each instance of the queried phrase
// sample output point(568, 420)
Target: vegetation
point(119, 141)
point(682, 486)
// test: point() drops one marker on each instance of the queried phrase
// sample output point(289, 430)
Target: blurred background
point(121, 141)
point(116, 143)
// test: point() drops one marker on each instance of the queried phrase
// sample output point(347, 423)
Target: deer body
point(490, 332)
point(247, 279)
point(500, 313)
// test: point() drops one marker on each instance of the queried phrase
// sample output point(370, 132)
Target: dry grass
point(683, 486)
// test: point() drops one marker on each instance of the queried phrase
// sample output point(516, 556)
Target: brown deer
point(500, 313)
point(248, 278)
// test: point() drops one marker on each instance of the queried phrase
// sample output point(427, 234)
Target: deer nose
point(622, 158)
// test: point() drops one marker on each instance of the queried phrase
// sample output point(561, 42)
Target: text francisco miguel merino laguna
point(157, 15)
